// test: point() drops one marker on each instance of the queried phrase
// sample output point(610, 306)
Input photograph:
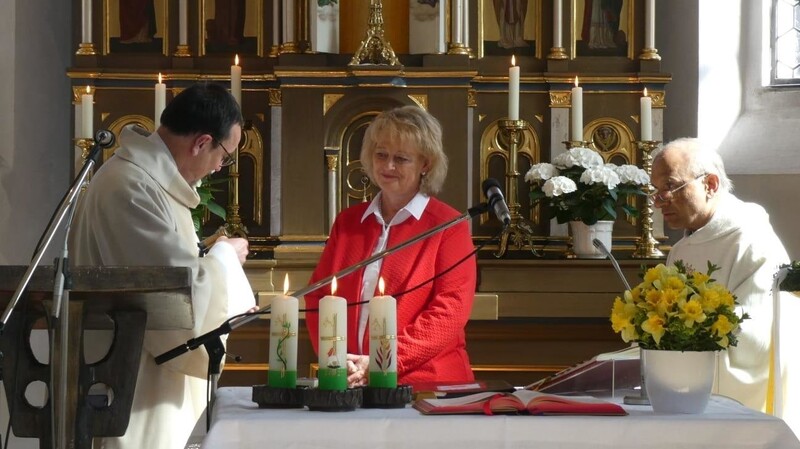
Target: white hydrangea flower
point(541, 172)
point(600, 175)
point(580, 156)
point(631, 174)
point(558, 185)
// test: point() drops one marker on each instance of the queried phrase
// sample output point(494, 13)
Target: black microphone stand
point(212, 340)
point(103, 139)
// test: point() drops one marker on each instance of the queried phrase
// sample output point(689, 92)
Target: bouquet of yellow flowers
point(678, 309)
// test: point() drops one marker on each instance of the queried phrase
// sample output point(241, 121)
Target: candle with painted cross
point(382, 340)
point(332, 345)
point(283, 339)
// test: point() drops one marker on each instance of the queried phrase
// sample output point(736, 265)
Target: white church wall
point(34, 133)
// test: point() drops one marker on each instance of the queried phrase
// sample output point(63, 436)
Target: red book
point(519, 402)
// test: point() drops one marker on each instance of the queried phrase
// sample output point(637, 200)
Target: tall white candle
point(332, 342)
point(513, 90)
point(87, 114)
point(577, 112)
point(283, 339)
point(558, 17)
point(236, 80)
point(382, 340)
point(161, 101)
point(183, 20)
point(646, 116)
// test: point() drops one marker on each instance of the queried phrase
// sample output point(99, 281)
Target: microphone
point(104, 138)
point(491, 189)
point(602, 248)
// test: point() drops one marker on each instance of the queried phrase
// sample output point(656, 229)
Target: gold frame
point(165, 43)
point(537, 32)
point(573, 51)
point(259, 29)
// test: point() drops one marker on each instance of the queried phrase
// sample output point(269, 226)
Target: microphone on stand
point(491, 189)
point(642, 399)
point(602, 248)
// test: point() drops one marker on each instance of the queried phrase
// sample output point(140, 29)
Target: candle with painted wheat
point(332, 345)
point(283, 339)
point(383, 340)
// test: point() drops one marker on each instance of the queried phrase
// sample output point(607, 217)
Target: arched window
point(785, 42)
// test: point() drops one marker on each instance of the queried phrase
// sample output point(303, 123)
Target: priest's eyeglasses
point(228, 160)
point(669, 194)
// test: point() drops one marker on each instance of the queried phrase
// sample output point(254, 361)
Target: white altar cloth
point(239, 423)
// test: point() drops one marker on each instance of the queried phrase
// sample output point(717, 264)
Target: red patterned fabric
point(431, 343)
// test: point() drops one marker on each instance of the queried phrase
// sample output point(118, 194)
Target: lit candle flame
point(645, 91)
point(576, 81)
point(159, 77)
point(236, 60)
point(333, 286)
point(286, 284)
point(88, 90)
point(513, 61)
point(381, 285)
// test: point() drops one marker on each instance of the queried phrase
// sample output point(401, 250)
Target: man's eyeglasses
point(669, 194)
point(228, 159)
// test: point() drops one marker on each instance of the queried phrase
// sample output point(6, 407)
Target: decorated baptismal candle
point(283, 339)
point(332, 341)
point(382, 340)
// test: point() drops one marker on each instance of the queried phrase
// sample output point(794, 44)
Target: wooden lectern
point(133, 298)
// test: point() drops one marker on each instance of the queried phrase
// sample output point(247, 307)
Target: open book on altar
point(520, 401)
point(607, 372)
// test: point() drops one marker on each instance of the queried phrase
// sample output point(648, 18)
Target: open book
point(521, 401)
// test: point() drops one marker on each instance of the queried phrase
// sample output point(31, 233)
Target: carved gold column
point(520, 230)
point(647, 246)
point(375, 49)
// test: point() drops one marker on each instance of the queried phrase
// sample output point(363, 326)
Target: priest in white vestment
point(137, 212)
point(695, 194)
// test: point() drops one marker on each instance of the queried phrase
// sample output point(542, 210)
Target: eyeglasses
point(228, 159)
point(667, 196)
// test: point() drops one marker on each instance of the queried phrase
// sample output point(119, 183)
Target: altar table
point(239, 423)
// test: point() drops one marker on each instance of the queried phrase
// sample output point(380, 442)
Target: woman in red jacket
point(402, 154)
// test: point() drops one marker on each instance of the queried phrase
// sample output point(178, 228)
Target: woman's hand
point(357, 370)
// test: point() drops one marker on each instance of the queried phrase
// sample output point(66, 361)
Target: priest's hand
point(357, 370)
point(240, 245)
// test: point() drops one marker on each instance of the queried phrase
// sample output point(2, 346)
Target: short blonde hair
point(409, 125)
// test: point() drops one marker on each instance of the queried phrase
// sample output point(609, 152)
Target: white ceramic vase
point(679, 382)
point(582, 236)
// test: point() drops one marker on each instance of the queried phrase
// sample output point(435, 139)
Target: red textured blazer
point(431, 345)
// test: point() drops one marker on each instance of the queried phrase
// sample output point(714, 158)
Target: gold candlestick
point(520, 230)
point(647, 246)
point(233, 222)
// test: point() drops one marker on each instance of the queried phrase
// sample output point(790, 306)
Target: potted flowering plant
point(674, 308)
point(679, 317)
point(579, 186)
